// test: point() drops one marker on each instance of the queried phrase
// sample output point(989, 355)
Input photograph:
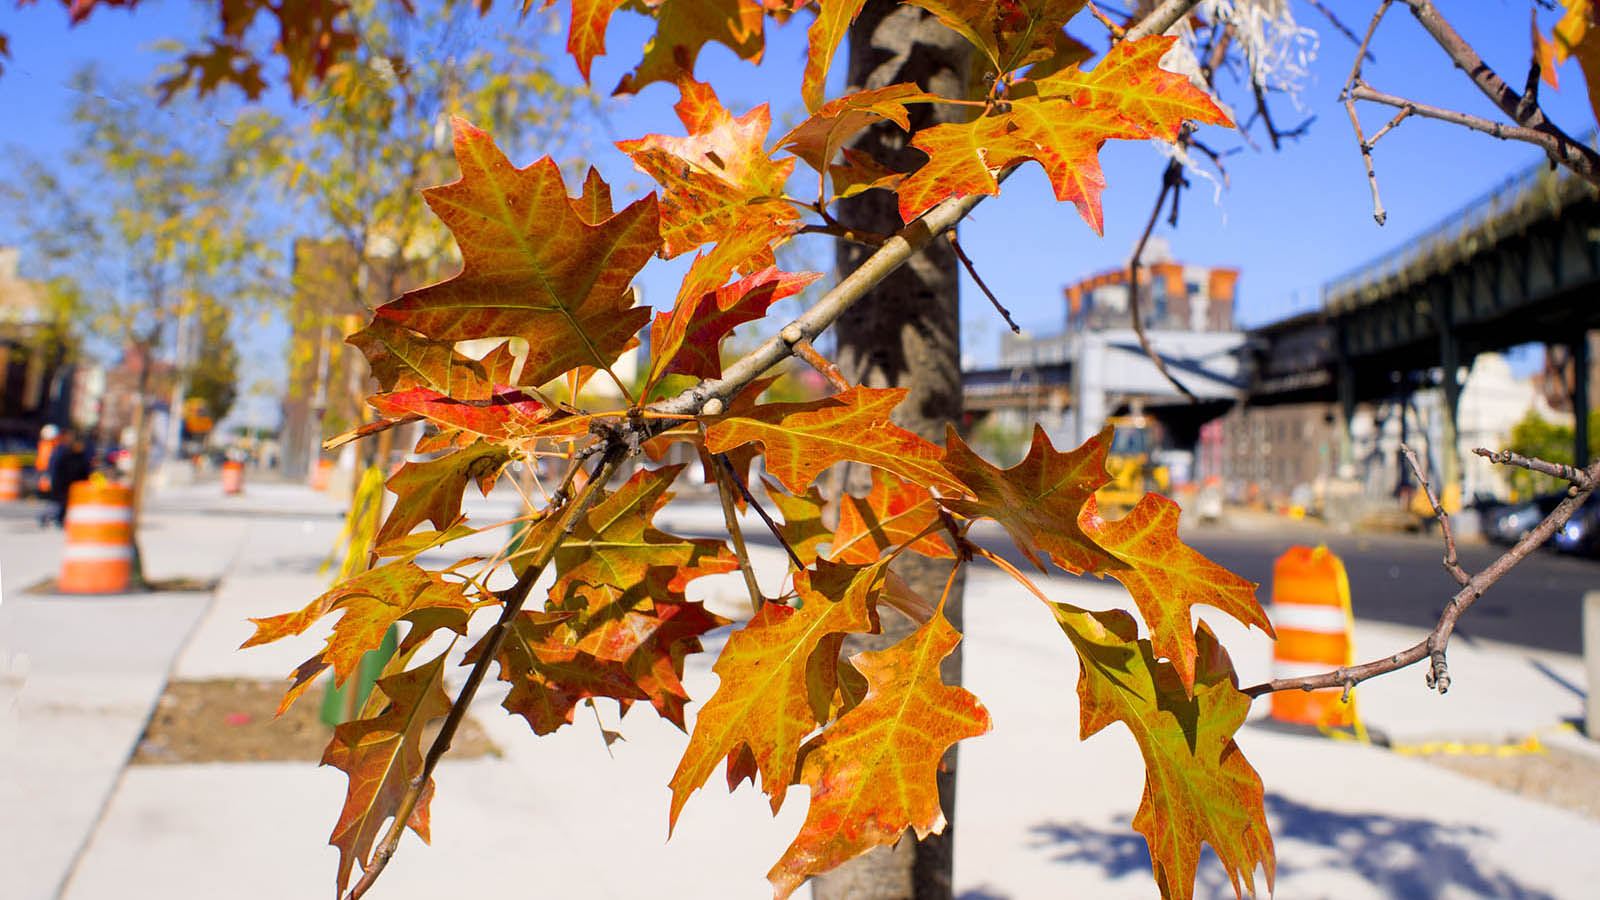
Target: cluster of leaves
point(866, 734)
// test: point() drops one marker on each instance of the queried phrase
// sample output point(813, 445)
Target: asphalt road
point(1398, 578)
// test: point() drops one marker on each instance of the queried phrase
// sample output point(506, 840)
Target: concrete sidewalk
point(1040, 815)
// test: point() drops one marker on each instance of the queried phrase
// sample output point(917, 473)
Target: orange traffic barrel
point(98, 557)
point(320, 474)
point(1311, 613)
point(10, 478)
point(232, 477)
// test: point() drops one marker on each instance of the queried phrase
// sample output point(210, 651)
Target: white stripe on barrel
point(95, 513)
point(96, 551)
point(1301, 617)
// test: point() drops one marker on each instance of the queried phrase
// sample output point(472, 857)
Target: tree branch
point(1451, 562)
point(1171, 179)
point(1434, 645)
point(1350, 83)
point(978, 279)
point(1562, 148)
point(730, 516)
point(744, 489)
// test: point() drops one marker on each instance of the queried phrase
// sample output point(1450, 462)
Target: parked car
point(1507, 524)
point(1581, 534)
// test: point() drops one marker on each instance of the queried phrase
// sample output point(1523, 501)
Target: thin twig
point(1451, 562)
point(1562, 471)
point(855, 236)
point(1117, 31)
point(755, 504)
point(513, 598)
point(1170, 180)
point(825, 366)
point(1398, 118)
point(973, 271)
point(1500, 130)
point(1434, 645)
point(1317, 5)
point(730, 516)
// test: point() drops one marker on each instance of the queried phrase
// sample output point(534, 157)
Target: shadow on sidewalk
point(1397, 856)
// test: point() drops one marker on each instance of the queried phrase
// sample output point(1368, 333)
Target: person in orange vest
point(69, 463)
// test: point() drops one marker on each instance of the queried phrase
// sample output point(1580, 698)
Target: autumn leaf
point(508, 416)
point(1198, 786)
point(432, 490)
point(371, 602)
point(1166, 577)
point(401, 360)
point(531, 265)
point(802, 439)
point(872, 773)
point(1011, 33)
point(893, 512)
point(688, 340)
point(1576, 36)
point(382, 754)
point(548, 679)
point(824, 37)
point(820, 137)
point(1064, 138)
point(1129, 81)
point(683, 27)
point(586, 33)
point(1037, 500)
point(769, 698)
point(719, 182)
point(860, 173)
point(802, 528)
point(616, 544)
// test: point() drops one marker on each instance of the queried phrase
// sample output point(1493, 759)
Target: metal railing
point(1534, 193)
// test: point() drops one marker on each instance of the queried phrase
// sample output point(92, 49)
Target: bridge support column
point(1345, 384)
point(1580, 399)
point(1450, 453)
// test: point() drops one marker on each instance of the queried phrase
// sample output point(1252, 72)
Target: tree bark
point(906, 333)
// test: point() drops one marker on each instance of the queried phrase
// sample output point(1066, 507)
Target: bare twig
point(730, 516)
point(1434, 645)
point(749, 498)
point(1562, 471)
point(1350, 83)
point(1398, 118)
point(1538, 138)
point(1117, 31)
point(513, 598)
point(1342, 28)
point(814, 359)
point(1451, 562)
point(1562, 148)
point(973, 271)
point(1171, 179)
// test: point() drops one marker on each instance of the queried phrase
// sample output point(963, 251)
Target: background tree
point(166, 233)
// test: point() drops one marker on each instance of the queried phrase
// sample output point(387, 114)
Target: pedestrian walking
point(69, 463)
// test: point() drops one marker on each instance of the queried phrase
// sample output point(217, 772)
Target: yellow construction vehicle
point(1132, 465)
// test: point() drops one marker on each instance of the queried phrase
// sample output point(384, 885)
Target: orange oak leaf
point(1064, 138)
point(683, 27)
point(802, 439)
point(593, 206)
point(802, 526)
point(826, 33)
point(370, 602)
point(1037, 500)
point(432, 490)
point(616, 544)
point(688, 340)
point(719, 182)
point(1198, 786)
point(1011, 33)
point(531, 265)
point(860, 173)
point(549, 679)
point(1130, 81)
point(612, 623)
point(586, 33)
point(769, 698)
point(401, 360)
point(1166, 577)
point(382, 753)
point(819, 137)
point(893, 512)
point(872, 772)
point(507, 416)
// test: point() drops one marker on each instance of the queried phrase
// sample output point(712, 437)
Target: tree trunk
point(906, 333)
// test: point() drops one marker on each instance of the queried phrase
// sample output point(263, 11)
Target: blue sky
point(1290, 219)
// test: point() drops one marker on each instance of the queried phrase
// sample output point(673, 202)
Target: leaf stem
point(730, 515)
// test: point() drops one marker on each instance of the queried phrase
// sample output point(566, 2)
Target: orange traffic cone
point(1311, 613)
point(98, 557)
